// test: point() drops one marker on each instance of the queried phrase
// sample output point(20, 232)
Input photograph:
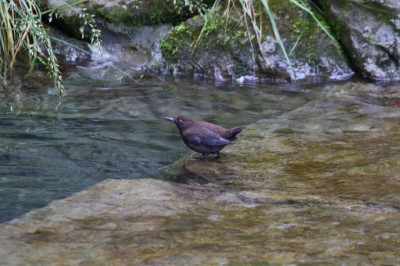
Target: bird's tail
point(237, 130)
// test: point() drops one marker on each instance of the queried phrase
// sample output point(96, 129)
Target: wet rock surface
point(133, 50)
point(70, 51)
point(319, 184)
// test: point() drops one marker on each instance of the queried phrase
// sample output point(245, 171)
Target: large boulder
point(369, 32)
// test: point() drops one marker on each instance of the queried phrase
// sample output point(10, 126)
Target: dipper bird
point(204, 137)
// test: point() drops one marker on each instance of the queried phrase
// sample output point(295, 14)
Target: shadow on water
point(107, 129)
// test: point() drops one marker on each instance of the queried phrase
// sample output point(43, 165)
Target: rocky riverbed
point(317, 185)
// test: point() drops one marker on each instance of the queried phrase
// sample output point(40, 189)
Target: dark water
point(102, 129)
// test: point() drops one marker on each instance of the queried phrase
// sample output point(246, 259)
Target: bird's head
point(181, 122)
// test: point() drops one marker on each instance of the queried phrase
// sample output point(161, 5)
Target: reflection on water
point(106, 129)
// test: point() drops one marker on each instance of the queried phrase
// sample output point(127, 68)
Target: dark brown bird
point(204, 137)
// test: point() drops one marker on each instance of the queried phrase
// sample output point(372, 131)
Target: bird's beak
point(170, 119)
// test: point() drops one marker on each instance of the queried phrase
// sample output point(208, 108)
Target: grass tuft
point(253, 14)
point(22, 32)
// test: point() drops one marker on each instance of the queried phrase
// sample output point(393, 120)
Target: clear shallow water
point(109, 129)
point(314, 181)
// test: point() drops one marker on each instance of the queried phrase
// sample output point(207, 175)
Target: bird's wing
point(207, 137)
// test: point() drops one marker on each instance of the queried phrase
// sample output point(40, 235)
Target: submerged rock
point(331, 139)
point(113, 214)
point(315, 186)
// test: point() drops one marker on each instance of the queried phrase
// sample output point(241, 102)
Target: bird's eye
point(180, 120)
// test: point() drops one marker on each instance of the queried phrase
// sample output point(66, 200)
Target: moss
point(168, 49)
point(161, 11)
point(199, 35)
point(171, 44)
point(138, 13)
point(117, 15)
point(278, 5)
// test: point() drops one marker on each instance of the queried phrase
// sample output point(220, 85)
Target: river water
point(312, 180)
point(105, 128)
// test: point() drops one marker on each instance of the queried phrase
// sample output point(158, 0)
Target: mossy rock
point(228, 48)
point(129, 13)
point(196, 46)
point(137, 13)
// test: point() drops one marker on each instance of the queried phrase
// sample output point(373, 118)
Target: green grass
point(22, 34)
point(254, 13)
